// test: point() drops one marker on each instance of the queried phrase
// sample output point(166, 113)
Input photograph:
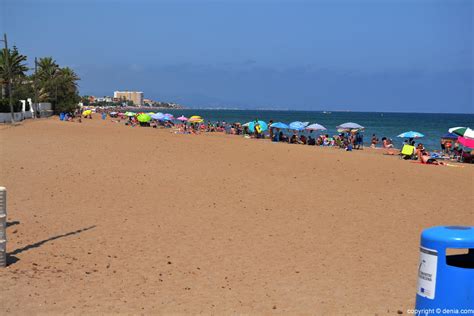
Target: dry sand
point(104, 218)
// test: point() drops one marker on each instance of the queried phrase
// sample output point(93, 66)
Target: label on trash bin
point(427, 272)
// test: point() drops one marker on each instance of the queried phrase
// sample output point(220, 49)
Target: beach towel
point(444, 164)
point(438, 156)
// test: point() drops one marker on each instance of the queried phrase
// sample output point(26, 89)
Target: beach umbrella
point(130, 114)
point(315, 127)
point(411, 134)
point(279, 125)
point(182, 118)
point(462, 131)
point(157, 116)
point(450, 136)
point(466, 142)
point(87, 112)
point(246, 124)
point(297, 125)
point(195, 119)
point(170, 116)
point(144, 118)
point(113, 113)
point(349, 126)
point(263, 126)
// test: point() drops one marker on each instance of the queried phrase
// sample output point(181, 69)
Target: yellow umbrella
point(86, 113)
point(195, 119)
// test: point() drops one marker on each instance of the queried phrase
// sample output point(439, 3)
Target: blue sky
point(385, 55)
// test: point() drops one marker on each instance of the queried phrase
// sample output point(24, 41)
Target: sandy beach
point(104, 218)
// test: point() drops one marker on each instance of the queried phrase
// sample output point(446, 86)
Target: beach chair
point(408, 152)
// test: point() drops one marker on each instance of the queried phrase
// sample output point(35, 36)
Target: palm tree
point(56, 85)
point(67, 95)
point(12, 71)
point(68, 79)
point(47, 68)
point(47, 75)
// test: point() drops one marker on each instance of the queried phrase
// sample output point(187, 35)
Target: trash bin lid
point(455, 236)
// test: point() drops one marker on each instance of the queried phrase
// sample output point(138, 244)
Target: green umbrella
point(462, 131)
point(144, 118)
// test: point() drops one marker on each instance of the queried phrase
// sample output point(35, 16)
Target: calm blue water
point(433, 126)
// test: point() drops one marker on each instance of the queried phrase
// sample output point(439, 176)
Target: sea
point(382, 124)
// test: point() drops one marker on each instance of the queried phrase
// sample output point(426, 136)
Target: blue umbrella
point(450, 136)
point(411, 134)
point(262, 124)
point(279, 125)
point(297, 125)
point(157, 116)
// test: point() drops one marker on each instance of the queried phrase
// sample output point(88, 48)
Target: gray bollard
point(3, 227)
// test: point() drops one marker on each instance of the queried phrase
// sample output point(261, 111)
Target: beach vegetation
point(54, 84)
point(57, 85)
point(12, 74)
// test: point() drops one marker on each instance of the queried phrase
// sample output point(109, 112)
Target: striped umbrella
point(465, 132)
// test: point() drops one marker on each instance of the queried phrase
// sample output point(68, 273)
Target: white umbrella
point(315, 127)
point(350, 126)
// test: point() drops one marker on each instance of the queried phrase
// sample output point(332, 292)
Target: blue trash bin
point(61, 116)
point(446, 282)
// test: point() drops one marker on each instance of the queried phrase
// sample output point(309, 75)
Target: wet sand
point(105, 218)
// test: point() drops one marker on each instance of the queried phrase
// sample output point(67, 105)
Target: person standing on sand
point(374, 141)
point(359, 140)
point(270, 130)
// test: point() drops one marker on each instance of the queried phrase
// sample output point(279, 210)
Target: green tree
point(47, 76)
point(58, 85)
point(67, 96)
point(12, 72)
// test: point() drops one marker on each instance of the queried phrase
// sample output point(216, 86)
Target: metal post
point(35, 109)
point(9, 72)
point(3, 227)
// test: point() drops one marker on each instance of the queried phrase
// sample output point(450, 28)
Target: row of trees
point(47, 82)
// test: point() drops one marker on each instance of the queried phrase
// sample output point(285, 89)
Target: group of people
point(410, 152)
point(348, 140)
point(73, 115)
